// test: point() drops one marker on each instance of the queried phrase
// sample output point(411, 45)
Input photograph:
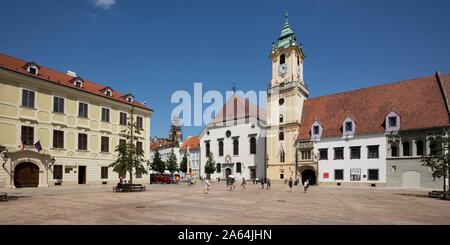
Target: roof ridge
point(374, 86)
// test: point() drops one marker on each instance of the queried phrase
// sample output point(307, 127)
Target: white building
point(191, 147)
point(165, 148)
point(236, 140)
point(373, 136)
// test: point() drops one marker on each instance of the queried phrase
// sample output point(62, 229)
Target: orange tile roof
point(229, 113)
point(193, 142)
point(419, 102)
point(60, 78)
point(160, 143)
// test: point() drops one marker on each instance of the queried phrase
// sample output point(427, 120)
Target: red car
point(161, 179)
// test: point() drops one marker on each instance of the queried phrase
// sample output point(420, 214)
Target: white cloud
point(105, 4)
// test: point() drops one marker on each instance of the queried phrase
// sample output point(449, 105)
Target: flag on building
point(38, 146)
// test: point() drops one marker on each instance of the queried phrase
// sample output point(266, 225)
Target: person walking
point(207, 186)
point(305, 186)
point(269, 184)
point(243, 184)
point(228, 183)
point(233, 186)
point(262, 182)
point(290, 184)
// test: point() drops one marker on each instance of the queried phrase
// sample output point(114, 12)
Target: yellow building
point(76, 122)
point(285, 97)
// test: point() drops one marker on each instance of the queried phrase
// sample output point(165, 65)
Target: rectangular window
point(348, 126)
point(139, 122)
point(339, 153)
point(355, 174)
point(27, 135)
point(139, 146)
point(338, 174)
point(138, 175)
point(316, 130)
point(82, 142)
point(83, 110)
point(218, 169)
point(282, 156)
point(208, 150)
point(104, 174)
point(281, 176)
point(235, 147)
point(394, 151)
point(58, 139)
point(372, 151)
point(122, 141)
point(57, 172)
point(105, 114)
point(306, 154)
point(392, 121)
point(28, 98)
point(105, 144)
point(123, 118)
point(373, 174)
point(323, 154)
point(355, 152)
point(58, 104)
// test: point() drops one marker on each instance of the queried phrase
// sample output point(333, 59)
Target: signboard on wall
point(326, 175)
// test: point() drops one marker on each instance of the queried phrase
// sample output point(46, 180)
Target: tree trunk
point(131, 176)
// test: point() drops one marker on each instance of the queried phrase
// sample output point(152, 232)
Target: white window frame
point(53, 103)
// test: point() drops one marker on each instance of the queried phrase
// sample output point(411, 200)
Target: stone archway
point(26, 174)
point(309, 174)
point(227, 172)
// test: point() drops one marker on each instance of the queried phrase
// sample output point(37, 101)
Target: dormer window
point(129, 98)
point(392, 122)
point(78, 83)
point(108, 92)
point(316, 130)
point(282, 59)
point(32, 68)
point(348, 127)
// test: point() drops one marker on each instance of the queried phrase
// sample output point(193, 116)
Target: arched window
point(419, 146)
point(218, 168)
point(394, 150)
point(298, 60)
point(236, 147)
point(220, 148)
point(282, 59)
point(252, 145)
point(406, 151)
point(207, 146)
point(281, 118)
point(281, 136)
point(238, 167)
point(282, 155)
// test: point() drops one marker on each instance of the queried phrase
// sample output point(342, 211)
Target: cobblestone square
point(180, 204)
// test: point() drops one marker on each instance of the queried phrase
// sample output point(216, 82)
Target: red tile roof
point(419, 102)
point(50, 75)
point(228, 112)
point(160, 143)
point(193, 142)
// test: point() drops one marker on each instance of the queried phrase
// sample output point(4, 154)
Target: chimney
point(72, 73)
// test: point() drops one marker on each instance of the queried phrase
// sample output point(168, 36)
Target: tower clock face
point(282, 70)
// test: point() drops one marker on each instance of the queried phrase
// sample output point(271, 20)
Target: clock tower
point(285, 96)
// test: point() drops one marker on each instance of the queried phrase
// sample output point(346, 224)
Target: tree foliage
point(183, 164)
point(130, 158)
point(439, 158)
point(171, 163)
point(157, 164)
point(210, 166)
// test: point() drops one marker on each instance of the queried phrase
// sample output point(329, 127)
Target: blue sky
point(153, 48)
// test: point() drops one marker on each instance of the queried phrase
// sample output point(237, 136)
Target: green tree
point(183, 164)
point(171, 163)
point(439, 158)
point(157, 164)
point(130, 157)
point(210, 166)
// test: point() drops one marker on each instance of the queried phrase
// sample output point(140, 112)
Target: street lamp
point(52, 161)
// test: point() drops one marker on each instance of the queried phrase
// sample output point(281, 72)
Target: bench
point(3, 197)
point(128, 188)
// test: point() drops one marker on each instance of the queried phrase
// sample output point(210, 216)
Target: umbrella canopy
point(231, 176)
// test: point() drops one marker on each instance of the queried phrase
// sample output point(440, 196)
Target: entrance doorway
point(227, 173)
point(253, 173)
point(310, 175)
point(81, 175)
point(26, 175)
